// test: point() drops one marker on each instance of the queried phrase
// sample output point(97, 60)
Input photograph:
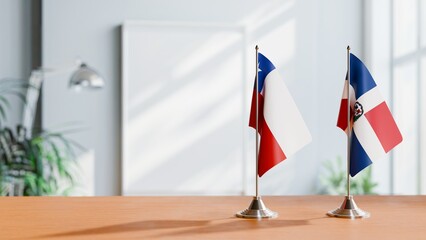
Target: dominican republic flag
point(374, 131)
point(281, 127)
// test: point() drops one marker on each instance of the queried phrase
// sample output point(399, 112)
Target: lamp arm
point(33, 93)
point(47, 72)
point(31, 99)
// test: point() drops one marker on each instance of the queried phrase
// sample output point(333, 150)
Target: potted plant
point(334, 180)
point(40, 164)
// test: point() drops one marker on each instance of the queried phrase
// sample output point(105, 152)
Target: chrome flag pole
point(348, 209)
point(257, 208)
point(257, 121)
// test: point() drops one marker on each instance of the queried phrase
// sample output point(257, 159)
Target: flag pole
point(348, 209)
point(257, 121)
point(257, 208)
point(348, 148)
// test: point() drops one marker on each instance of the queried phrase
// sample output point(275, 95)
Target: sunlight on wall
point(266, 13)
point(205, 52)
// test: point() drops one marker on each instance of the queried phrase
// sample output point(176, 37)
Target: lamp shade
point(86, 77)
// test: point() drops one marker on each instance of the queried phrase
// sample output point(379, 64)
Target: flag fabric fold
point(281, 127)
point(374, 131)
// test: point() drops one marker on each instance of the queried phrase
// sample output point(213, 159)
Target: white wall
point(305, 39)
point(15, 47)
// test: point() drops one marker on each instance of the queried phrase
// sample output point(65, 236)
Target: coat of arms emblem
point(358, 111)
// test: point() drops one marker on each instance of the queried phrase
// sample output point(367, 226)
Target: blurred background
point(172, 116)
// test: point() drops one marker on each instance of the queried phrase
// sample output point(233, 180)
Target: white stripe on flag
point(345, 92)
point(345, 96)
point(353, 100)
point(283, 117)
point(368, 139)
point(371, 99)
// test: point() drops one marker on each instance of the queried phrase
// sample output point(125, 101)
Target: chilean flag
point(374, 131)
point(281, 127)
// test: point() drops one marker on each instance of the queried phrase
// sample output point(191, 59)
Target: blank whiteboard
point(182, 109)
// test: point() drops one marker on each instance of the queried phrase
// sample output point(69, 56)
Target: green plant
point(41, 164)
point(334, 180)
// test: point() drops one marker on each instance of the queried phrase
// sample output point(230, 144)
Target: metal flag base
point(257, 209)
point(349, 209)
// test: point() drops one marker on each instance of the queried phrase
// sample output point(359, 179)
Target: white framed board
point(183, 109)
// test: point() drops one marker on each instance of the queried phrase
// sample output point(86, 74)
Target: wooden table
point(300, 217)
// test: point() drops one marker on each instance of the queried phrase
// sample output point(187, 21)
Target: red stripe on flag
point(270, 152)
point(384, 126)
point(252, 120)
point(342, 119)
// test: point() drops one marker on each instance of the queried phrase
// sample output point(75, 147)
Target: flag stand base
point(348, 209)
point(257, 209)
